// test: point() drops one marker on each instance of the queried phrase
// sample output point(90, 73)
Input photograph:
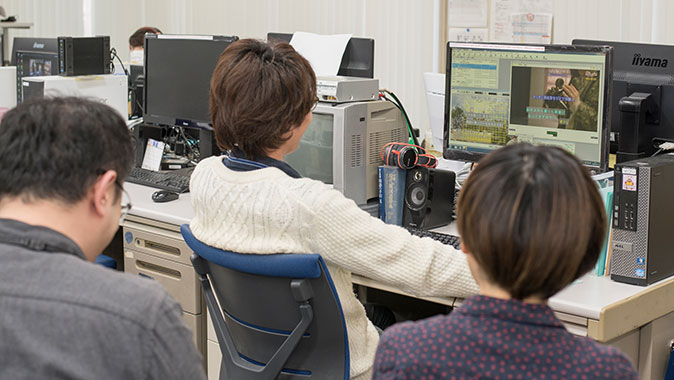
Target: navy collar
point(235, 161)
point(510, 310)
point(37, 238)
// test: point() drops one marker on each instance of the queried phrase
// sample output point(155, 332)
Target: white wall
point(403, 29)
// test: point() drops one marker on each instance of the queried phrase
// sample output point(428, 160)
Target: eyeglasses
point(125, 202)
point(315, 104)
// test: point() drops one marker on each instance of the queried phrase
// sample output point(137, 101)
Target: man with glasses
point(62, 165)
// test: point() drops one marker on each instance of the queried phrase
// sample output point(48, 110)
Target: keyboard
point(172, 181)
point(442, 238)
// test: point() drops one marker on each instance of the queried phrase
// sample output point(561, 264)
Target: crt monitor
point(341, 146)
point(358, 58)
point(498, 94)
point(636, 119)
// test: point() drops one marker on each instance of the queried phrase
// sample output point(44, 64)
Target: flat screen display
point(178, 72)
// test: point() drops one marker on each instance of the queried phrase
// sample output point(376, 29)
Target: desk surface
point(611, 308)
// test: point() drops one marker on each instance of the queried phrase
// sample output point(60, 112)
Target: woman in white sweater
point(250, 201)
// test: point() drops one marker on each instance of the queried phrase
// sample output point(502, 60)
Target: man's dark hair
point(55, 148)
point(260, 91)
point(137, 39)
point(532, 218)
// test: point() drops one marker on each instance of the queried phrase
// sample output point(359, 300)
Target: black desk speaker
point(429, 197)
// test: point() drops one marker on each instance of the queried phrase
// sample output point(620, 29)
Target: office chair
point(279, 316)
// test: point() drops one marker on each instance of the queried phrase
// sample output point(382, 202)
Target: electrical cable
point(113, 55)
point(402, 108)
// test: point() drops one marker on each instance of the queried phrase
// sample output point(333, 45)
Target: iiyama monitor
point(643, 89)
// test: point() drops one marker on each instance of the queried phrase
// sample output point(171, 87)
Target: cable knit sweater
point(265, 211)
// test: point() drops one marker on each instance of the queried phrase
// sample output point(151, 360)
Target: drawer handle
point(144, 265)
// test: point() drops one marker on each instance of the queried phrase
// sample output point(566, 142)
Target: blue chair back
point(279, 316)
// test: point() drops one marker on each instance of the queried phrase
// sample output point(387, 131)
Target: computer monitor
point(637, 120)
point(341, 146)
point(177, 72)
point(33, 57)
point(358, 58)
point(498, 94)
point(33, 44)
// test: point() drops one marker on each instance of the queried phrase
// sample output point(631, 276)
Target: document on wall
point(324, 52)
point(467, 13)
point(469, 34)
point(505, 12)
point(535, 28)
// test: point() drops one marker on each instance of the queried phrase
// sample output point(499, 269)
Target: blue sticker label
point(128, 236)
point(640, 272)
point(641, 261)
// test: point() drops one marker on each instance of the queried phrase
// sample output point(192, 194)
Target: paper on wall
point(502, 11)
point(467, 13)
point(469, 34)
point(324, 52)
point(532, 28)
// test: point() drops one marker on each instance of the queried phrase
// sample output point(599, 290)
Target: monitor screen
point(33, 64)
point(178, 72)
point(646, 69)
point(500, 94)
point(313, 157)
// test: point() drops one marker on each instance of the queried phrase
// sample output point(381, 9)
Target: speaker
point(429, 197)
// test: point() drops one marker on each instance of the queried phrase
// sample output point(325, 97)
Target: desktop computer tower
point(643, 206)
point(83, 55)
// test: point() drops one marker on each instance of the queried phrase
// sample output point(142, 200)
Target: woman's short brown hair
point(532, 218)
point(260, 91)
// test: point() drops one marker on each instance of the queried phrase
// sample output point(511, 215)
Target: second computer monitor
point(178, 71)
point(499, 94)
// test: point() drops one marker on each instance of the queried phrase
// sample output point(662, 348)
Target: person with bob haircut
point(250, 201)
point(531, 221)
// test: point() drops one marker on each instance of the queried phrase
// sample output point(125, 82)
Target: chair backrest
point(278, 316)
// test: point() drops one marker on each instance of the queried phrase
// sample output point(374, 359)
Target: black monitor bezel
point(358, 58)
point(174, 120)
point(630, 73)
point(462, 155)
point(27, 44)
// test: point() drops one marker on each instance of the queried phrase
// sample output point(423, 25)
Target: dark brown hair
point(532, 218)
point(55, 148)
point(137, 39)
point(260, 91)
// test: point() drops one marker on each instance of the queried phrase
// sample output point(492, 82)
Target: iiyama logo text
point(638, 60)
point(37, 45)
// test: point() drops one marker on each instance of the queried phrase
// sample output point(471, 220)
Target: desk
point(638, 320)
point(6, 26)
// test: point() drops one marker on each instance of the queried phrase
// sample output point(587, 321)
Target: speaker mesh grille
point(623, 263)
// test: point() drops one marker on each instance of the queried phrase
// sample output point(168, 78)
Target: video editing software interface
point(502, 94)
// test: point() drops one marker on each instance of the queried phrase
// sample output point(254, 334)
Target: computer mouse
point(164, 196)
